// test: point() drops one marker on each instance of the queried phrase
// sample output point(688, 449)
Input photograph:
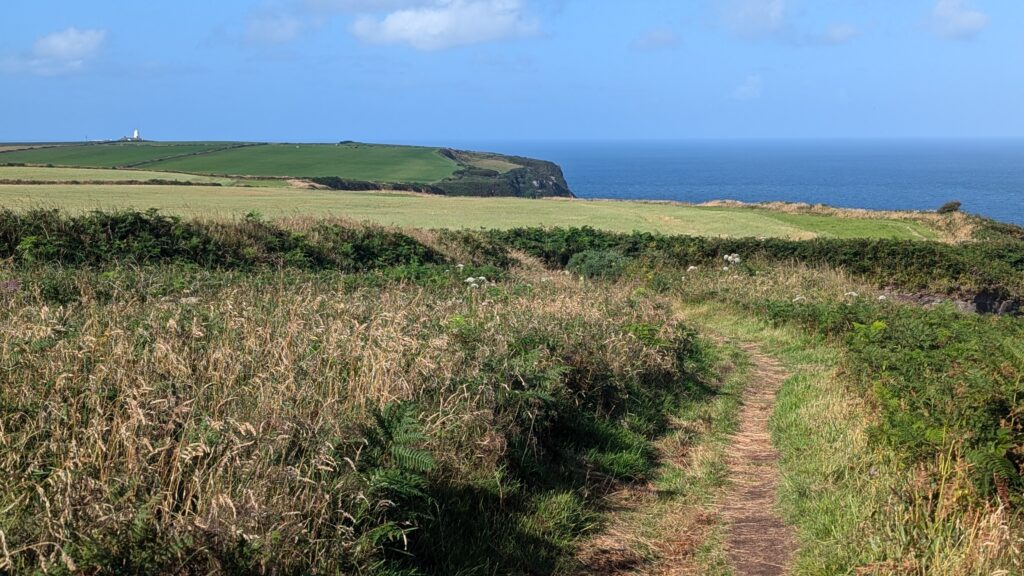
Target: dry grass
point(230, 411)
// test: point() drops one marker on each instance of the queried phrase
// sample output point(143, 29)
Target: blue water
point(987, 176)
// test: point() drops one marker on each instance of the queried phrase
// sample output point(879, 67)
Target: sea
point(987, 176)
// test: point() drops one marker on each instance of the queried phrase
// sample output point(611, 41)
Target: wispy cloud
point(751, 89)
point(657, 39)
point(958, 20)
point(443, 23)
point(756, 17)
point(58, 53)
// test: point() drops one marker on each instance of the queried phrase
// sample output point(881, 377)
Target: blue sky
point(436, 71)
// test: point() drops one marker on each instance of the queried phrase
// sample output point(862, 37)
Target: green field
point(107, 155)
point(36, 174)
point(450, 212)
point(352, 161)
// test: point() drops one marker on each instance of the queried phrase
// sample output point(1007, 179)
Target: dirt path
point(652, 534)
point(758, 542)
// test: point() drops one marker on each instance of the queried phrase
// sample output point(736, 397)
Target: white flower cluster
point(733, 259)
point(476, 282)
point(691, 269)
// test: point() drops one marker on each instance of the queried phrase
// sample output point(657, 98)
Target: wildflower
point(191, 300)
point(691, 269)
point(725, 269)
point(799, 299)
point(460, 266)
point(470, 280)
point(733, 258)
point(882, 297)
point(852, 295)
point(482, 279)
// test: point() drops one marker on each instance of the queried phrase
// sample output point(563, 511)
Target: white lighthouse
point(135, 136)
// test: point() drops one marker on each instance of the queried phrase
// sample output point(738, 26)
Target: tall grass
point(901, 433)
point(174, 419)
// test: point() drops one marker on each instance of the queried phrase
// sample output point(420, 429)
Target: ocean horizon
point(987, 176)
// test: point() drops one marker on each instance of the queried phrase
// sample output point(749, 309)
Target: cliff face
point(518, 176)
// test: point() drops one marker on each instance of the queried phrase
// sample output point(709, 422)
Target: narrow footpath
point(758, 541)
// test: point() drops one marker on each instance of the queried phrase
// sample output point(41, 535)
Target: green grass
point(106, 175)
point(351, 161)
point(832, 227)
point(104, 155)
point(448, 212)
point(37, 174)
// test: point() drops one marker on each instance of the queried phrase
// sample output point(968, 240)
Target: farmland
point(103, 155)
point(352, 161)
point(430, 211)
point(347, 165)
point(84, 175)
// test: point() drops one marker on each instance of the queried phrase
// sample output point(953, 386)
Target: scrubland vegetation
point(317, 396)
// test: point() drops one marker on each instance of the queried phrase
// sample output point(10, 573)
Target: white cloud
point(751, 89)
point(59, 53)
point(443, 23)
point(273, 29)
point(958, 20)
point(657, 39)
point(754, 17)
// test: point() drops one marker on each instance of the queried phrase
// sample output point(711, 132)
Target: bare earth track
point(752, 538)
point(758, 541)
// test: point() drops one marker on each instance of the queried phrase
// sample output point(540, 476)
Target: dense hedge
point(345, 184)
point(149, 237)
point(993, 267)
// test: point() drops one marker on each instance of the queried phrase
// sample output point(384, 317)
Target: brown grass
point(231, 409)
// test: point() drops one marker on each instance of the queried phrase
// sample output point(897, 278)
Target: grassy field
point(343, 166)
point(107, 155)
point(37, 174)
point(447, 212)
point(352, 161)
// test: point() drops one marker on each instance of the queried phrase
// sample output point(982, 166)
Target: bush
point(96, 238)
point(950, 207)
point(994, 267)
point(602, 264)
point(945, 382)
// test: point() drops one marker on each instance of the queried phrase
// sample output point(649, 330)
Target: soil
point(758, 541)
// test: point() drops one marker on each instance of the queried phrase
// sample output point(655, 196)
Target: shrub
point(603, 264)
point(97, 238)
point(950, 207)
point(995, 266)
